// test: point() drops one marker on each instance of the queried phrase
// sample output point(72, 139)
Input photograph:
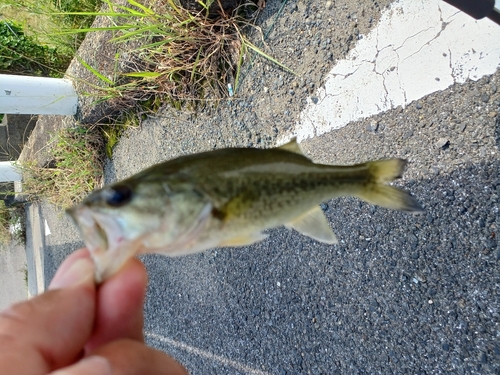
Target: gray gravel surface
point(399, 294)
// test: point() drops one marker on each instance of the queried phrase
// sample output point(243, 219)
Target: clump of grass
point(182, 57)
point(24, 55)
point(76, 169)
point(24, 271)
point(5, 236)
point(18, 223)
point(40, 23)
point(12, 223)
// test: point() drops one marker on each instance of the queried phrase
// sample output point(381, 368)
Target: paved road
point(400, 293)
point(12, 266)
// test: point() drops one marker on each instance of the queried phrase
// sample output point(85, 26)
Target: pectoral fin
point(243, 240)
point(315, 225)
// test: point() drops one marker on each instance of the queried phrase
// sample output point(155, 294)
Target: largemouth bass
point(225, 198)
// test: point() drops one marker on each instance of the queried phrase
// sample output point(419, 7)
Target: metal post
point(37, 95)
point(8, 172)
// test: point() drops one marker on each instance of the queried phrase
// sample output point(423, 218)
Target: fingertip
point(77, 268)
point(133, 271)
point(120, 302)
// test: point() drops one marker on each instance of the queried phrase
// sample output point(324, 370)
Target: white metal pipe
point(8, 172)
point(37, 95)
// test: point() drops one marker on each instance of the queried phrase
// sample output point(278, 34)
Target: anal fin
point(243, 240)
point(314, 224)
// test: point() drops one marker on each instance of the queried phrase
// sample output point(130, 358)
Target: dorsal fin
point(292, 146)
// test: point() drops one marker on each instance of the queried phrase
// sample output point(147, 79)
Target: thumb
point(49, 331)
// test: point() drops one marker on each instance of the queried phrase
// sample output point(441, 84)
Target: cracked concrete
point(417, 49)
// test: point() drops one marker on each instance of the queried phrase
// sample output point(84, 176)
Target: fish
point(225, 198)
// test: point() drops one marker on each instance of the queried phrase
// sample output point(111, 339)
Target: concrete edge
point(34, 250)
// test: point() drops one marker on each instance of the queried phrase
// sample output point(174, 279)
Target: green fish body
point(225, 198)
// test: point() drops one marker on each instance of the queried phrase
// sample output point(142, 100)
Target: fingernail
point(94, 365)
point(80, 272)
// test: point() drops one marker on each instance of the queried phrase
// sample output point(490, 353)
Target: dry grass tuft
point(76, 169)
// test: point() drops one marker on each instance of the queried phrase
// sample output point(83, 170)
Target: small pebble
point(372, 126)
point(485, 98)
point(315, 100)
point(442, 143)
point(408, 134)
point(483, 358)
point(418, 105)
point(328, 5)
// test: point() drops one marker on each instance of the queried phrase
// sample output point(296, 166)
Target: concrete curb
point(35, 242)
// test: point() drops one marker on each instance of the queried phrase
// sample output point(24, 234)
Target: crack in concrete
point(424, 44)
point(396, 64)
point(451, 66)
point(351, 73)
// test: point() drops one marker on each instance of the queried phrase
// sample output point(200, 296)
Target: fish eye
point(118, 195)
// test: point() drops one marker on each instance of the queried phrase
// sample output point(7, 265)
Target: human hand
point(78, 328)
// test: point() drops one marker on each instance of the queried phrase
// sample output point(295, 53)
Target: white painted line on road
point(47, 229)
point(203, 353)
point(418, 47)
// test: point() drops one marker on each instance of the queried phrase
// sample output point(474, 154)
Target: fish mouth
point(104, 239)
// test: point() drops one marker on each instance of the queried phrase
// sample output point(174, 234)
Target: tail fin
point(388, 196)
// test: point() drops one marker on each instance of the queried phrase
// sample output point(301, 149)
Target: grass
point(12, 224)
point(42, 20)
point(18, 223)
point(5, 236)
point(24, 271)
point(76, 169)
point(182, 57)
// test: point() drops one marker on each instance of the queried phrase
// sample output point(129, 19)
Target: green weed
point(182, 57)
point(24, 271)
point(12, 224)
point(5, 236)
point(33, 33)
point(76, 169)
point(24, 55)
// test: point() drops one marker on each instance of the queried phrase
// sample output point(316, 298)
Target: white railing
point(37, 95)
point(8, 172)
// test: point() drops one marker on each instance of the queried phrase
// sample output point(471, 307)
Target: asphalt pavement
point(403, 294)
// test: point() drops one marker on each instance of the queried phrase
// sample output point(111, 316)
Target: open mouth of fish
point(103, 237)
